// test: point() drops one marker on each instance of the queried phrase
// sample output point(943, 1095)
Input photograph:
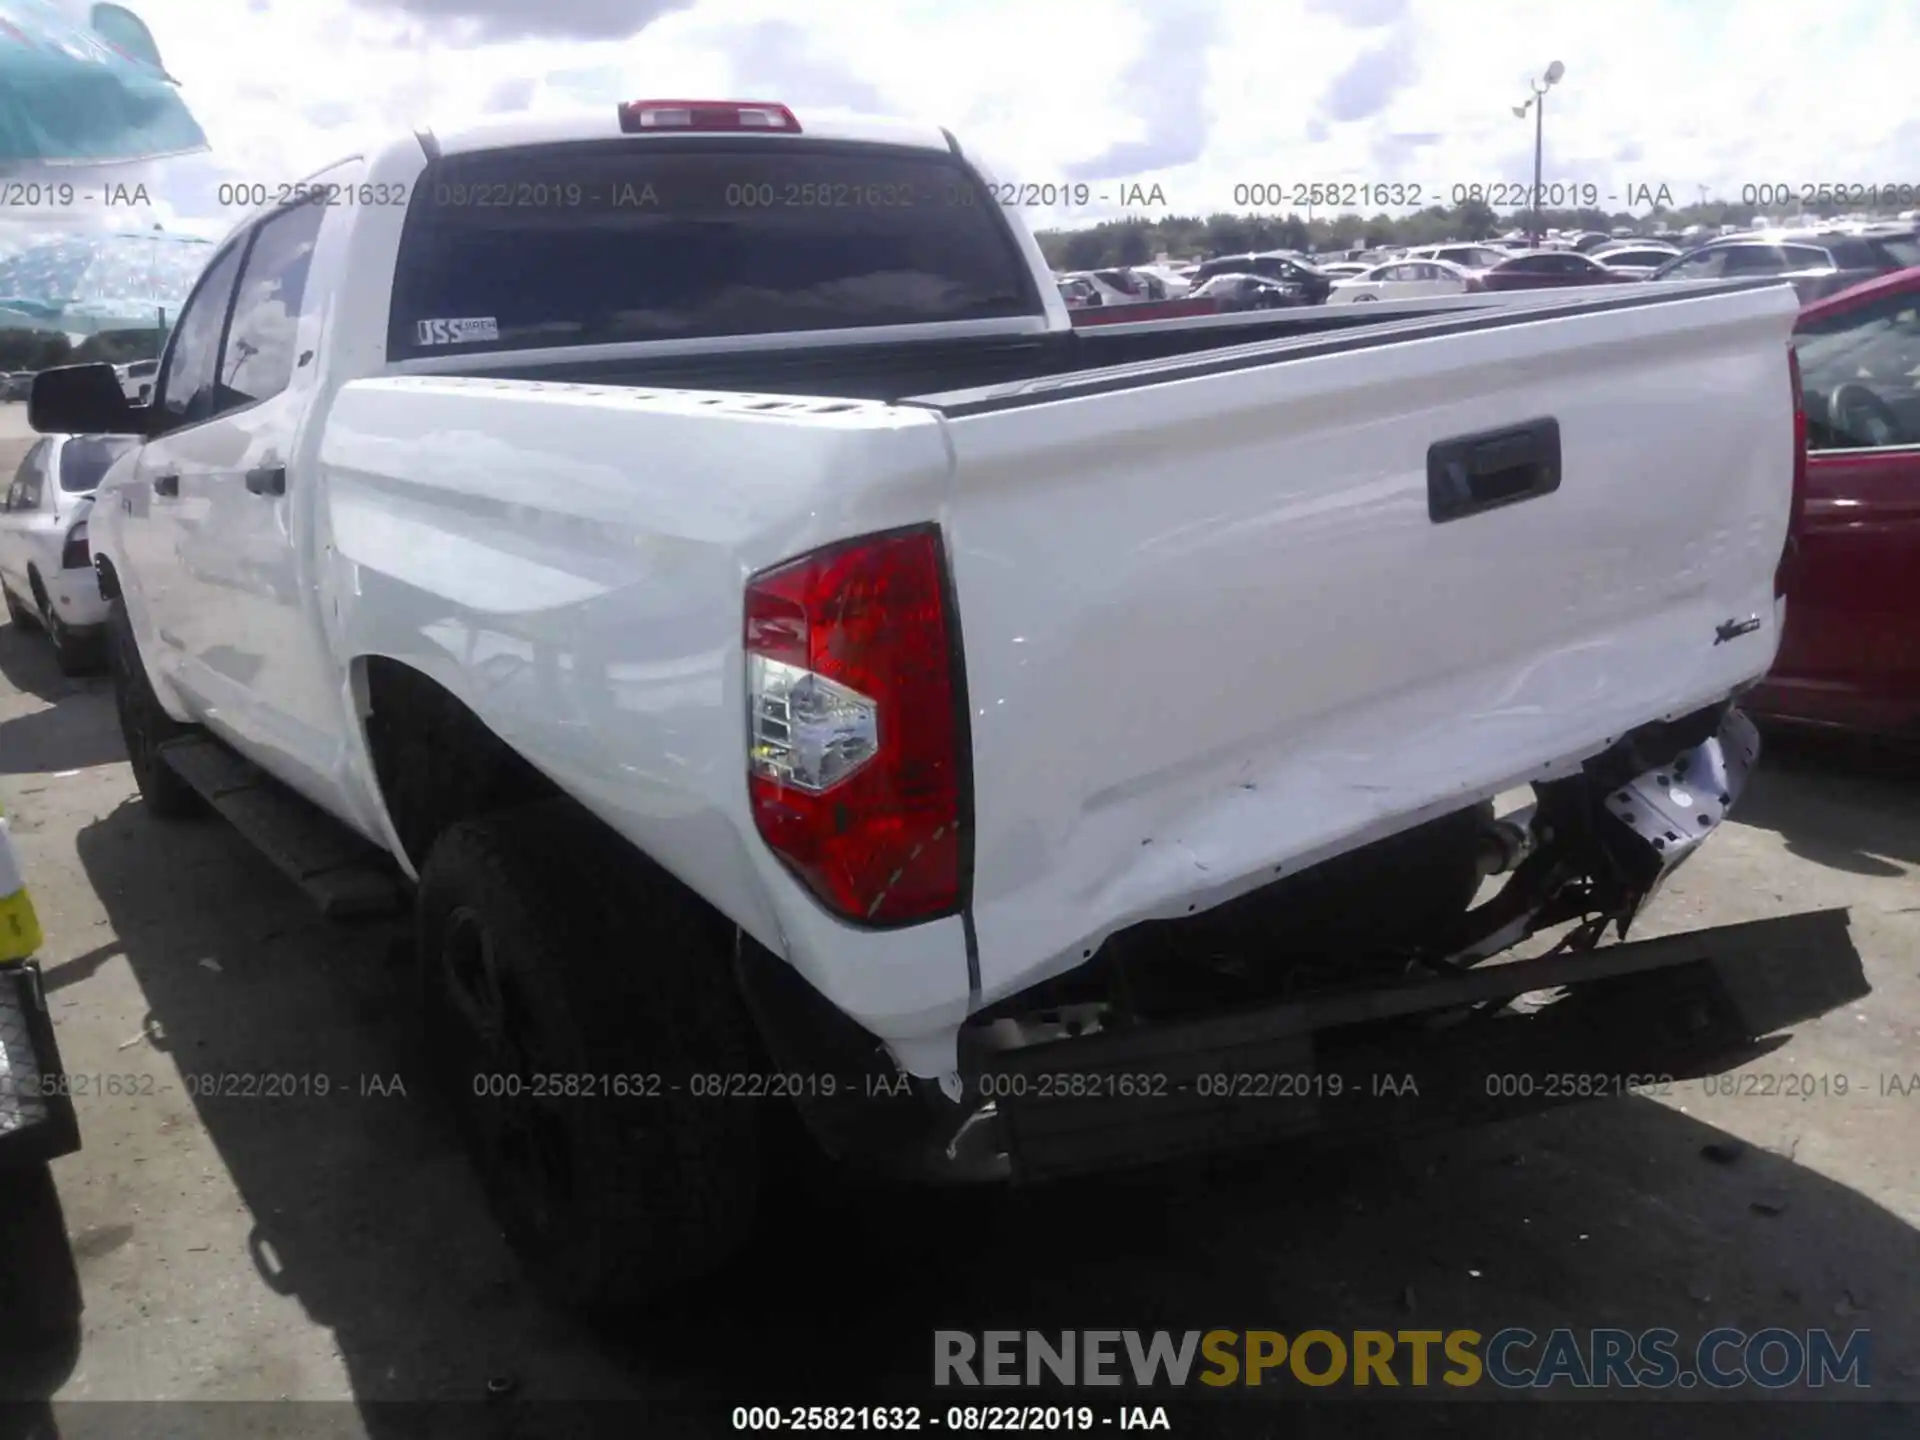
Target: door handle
point(267, 480)
point(166, 484)
point(1471, 474)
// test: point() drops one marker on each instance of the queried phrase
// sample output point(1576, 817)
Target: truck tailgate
point(1228, 616)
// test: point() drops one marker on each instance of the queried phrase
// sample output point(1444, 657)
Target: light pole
point(1538, 104)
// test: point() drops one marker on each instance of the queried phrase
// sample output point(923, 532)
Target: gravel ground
point(336, 1249)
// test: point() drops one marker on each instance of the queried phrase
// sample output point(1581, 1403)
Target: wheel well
point(436, 762)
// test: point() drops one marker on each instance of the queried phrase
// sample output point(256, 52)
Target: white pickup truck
point(688, 555)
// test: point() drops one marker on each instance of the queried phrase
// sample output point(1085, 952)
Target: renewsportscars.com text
point(1513, 1358)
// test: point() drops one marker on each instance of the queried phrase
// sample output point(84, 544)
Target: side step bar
point(343, 875)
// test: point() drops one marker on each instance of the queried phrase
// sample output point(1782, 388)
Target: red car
point(1142, 310)
point(1537, 269)
point(1850, 649)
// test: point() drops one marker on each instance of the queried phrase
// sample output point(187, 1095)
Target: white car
point(46, 569)
point(1475, 259)
point(136, 379)
point(1173, 281)
point(1638, 258)
point(1403, 280)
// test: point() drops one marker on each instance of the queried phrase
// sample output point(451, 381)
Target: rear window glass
point(87, 458)
point(669, 240)
point(1847, 254)
point(1903, 251)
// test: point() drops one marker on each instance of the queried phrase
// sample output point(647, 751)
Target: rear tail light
point(856, 767)
point(639, 117)
point(1798, 508)
point(74, 554)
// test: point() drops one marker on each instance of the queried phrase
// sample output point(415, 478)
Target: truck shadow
point(60, 737)
point(1848, 804)
point(363, 1210)
point(40, 1297)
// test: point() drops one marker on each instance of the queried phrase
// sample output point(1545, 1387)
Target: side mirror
point(82, 400)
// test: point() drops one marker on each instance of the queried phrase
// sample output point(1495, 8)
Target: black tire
point(548, 947)
point(71, 652)
point(144, 726)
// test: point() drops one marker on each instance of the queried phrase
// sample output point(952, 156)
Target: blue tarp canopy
point(81, 284)
point(83, 84)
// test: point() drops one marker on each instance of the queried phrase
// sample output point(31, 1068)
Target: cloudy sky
point(1194, 95)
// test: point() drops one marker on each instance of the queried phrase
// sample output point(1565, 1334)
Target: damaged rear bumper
point(1399, 1059)
point(1389, 1058)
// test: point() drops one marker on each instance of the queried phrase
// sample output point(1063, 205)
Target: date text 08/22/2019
point(954, 1419)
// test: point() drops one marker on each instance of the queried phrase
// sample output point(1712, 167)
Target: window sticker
point(458, 332)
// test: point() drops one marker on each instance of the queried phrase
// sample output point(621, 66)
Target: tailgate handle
point(1470, 474)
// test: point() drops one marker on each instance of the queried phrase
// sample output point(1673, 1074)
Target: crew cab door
point(160, 525)
point(254, 654)
point(1850, 651)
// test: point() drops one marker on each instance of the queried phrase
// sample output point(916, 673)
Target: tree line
point(1135, 242)
point(42, 349)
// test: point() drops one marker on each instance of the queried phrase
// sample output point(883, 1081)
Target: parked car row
point(1816, 262)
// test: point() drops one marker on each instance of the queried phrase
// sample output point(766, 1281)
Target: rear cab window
point(1826, 257)
point(1899, 252)
point(679, 239)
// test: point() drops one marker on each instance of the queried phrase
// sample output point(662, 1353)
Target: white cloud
point(1197, 95)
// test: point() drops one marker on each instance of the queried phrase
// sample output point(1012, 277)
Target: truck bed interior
point(945, 371)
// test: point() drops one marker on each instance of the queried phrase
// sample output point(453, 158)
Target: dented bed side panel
point(1217, 628)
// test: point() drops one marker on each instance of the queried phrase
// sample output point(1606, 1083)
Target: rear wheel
point(70, 652)
point(144, 725)
point(572, 995)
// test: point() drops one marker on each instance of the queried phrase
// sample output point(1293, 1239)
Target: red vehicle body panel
point(1144, 310)
point(1850, 649)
